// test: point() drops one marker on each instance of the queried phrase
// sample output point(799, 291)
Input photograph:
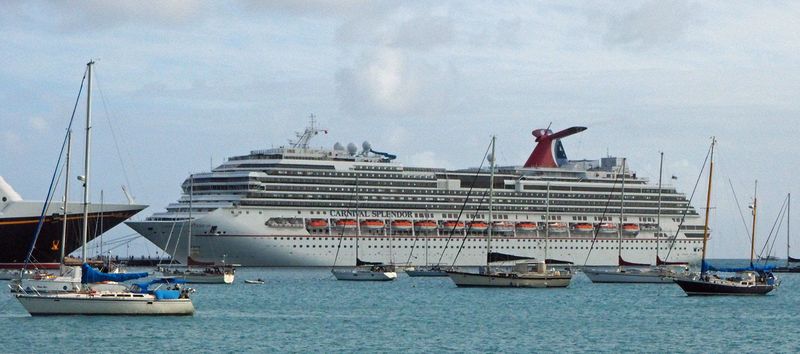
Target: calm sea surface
point(305, 310)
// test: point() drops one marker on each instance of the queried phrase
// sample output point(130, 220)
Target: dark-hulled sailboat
point(752, 280)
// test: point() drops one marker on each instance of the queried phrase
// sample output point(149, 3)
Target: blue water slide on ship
point(387, 155)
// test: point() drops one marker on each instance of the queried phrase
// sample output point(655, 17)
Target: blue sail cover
point(758, 268)
point(143, 287)
point(90, 275)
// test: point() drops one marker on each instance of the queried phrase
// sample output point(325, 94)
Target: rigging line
point(408, 261)
point(688, 205)
point(469, 227)
point(113, 134)
point(738, 206)
point(774, 238)
point(773, 232)
point(602, 221)
point(464, 205)
point(50, 190)
point(341, 230)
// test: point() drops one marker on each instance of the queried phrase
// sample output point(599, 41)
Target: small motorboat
point(254, 281)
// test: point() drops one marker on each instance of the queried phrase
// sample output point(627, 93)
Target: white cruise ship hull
point(98, 304)
point(247, 242)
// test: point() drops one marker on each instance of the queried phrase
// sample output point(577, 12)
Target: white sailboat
point(633, 273)
point(524, 274)
point(211, 274)
point(364, 271)
point(83, 299)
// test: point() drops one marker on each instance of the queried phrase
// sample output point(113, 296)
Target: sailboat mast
point(547, 223)
point(708, 207)
point(189, 239)
point(753, 233)
point(86, 162)
point(491, 205)
point(621, 214)
point(658, 215)
point(358, 220)
point(788, 219)
point(66, 196)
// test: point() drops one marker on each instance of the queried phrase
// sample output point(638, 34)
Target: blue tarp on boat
point(143, 286)
point(90, 275)
point(758, 268)
point(163, 294)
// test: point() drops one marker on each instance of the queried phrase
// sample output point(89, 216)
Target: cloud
point(94, 14)
point(427, 159)
point(38, 124)
point(652, 24)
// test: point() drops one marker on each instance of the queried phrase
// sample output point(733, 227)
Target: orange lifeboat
point(584, 228)
point(477, 226)
point(372, 224)
point(527, 226)
point(425, 225)
point(453, 225)
point(630, 229)
point(346, 224)
point(557, 227)
point(503, 227)
point(317, 224)
point(402, 225)
point(608, 228)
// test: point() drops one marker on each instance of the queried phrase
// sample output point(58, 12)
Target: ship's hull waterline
point(297, 248)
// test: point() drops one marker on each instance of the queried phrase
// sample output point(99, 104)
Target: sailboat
point(363, 271)
point(788, 268)
point(634, 273)
point(750, 280)
point(211, 273)
point(85, 300)
point(426, 270)
point(524, 274)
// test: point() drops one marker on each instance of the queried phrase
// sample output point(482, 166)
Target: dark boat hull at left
point(697, 287)
point(16, 234)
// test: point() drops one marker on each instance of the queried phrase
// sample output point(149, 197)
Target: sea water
point(307, 310)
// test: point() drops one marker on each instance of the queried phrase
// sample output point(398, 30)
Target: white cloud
point(652, 24)
point(38, 124)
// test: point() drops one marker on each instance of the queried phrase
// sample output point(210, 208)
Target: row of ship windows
point(499, 247)
point(474, 240)
point(455, 200)
point(427, 177)
point(405, 206)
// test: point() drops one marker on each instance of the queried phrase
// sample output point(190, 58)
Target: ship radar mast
point(311, 131)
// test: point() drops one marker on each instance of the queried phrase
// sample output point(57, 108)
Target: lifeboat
point(503, 227)
point(630, 229)
point(317, 224)
point(477, 226)
point(425, 225)
point(527, 226)
point(557, 227)
point(453, 225)
point(372, 224)
point(583, 228)
point(608, 228)
point(346, 224)
point(402, 225)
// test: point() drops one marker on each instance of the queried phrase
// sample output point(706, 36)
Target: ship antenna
point(306, 136)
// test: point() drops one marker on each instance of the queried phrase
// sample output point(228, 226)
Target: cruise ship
point(19, 219)
point(301, 206)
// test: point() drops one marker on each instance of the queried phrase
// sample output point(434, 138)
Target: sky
point(181, 85)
